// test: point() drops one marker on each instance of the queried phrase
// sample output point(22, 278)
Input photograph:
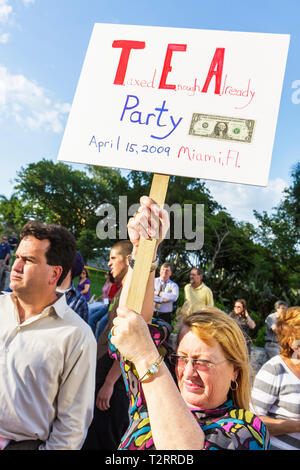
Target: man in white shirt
point(47, 352)
point(166, 292)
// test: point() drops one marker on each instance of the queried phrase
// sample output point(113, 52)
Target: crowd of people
point(90, 374)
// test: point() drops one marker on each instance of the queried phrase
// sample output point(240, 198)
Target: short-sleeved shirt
point(270, 321)
point(4, 249)
point(12, 241)
point(81, 286)
point(169, 295)
point(276, 393)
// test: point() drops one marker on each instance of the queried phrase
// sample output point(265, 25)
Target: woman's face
point(83, 273)
point(238, 308)
point(204, 389)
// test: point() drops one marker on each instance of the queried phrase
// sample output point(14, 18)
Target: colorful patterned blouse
point(225, 427)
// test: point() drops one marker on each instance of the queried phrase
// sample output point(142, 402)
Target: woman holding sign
point(208, 409)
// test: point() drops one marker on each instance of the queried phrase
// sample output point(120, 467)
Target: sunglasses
point(200, 365)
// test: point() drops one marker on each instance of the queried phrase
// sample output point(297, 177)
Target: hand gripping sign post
point(173, 101)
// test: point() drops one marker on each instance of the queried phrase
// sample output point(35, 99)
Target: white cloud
point(5, 11)
point(4, 37)
point(240, 200)
point(7, 17)
point(28, 104)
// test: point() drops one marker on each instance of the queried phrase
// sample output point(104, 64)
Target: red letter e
point(167, 65)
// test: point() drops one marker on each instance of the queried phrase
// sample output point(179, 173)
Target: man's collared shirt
point(170, 293)
point(198, 297)
point(47, 375)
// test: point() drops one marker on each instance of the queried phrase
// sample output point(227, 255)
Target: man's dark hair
point(62, 249)
point(124, 247)
point(280, 302)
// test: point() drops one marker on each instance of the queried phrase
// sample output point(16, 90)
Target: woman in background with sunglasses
point(208, 409)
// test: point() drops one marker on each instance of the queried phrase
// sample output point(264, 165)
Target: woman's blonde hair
point(288, 330)
point(211, 324)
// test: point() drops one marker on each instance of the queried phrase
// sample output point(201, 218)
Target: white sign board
point(186, 102)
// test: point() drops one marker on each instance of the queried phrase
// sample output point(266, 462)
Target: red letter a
point(216, 68)
point(123, 62)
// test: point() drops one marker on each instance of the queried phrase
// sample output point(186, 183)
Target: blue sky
point(42, 48)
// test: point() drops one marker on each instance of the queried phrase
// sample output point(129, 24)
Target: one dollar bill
point(222, 127)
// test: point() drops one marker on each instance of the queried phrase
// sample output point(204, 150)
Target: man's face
point(30, 272)
point(4, 239)
point(117, 264)
point(195, 278)
point(281, 309)
point(165, 273)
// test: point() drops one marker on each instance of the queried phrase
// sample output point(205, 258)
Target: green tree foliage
point(279, 234)
point(55, 193)
point(12, 213)
point(280, 231)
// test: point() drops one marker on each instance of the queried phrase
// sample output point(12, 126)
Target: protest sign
point(185, 102)
point(172, 101)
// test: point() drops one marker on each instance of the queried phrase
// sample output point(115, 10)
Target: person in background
point(106, 288)
point(84, 284)
point(74, 298)
point(5, 256)
point(197, 294)
point(272, 347)
point(166, 292)
point(209, 409)
point(13, 242)
point(276, 390)
point(243, 319)
point(115, 287)
point(97, 310)
point(48, 361)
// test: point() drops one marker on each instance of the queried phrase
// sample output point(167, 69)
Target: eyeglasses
point(201, 365)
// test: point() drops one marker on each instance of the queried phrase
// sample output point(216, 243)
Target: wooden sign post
point(145, 253)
